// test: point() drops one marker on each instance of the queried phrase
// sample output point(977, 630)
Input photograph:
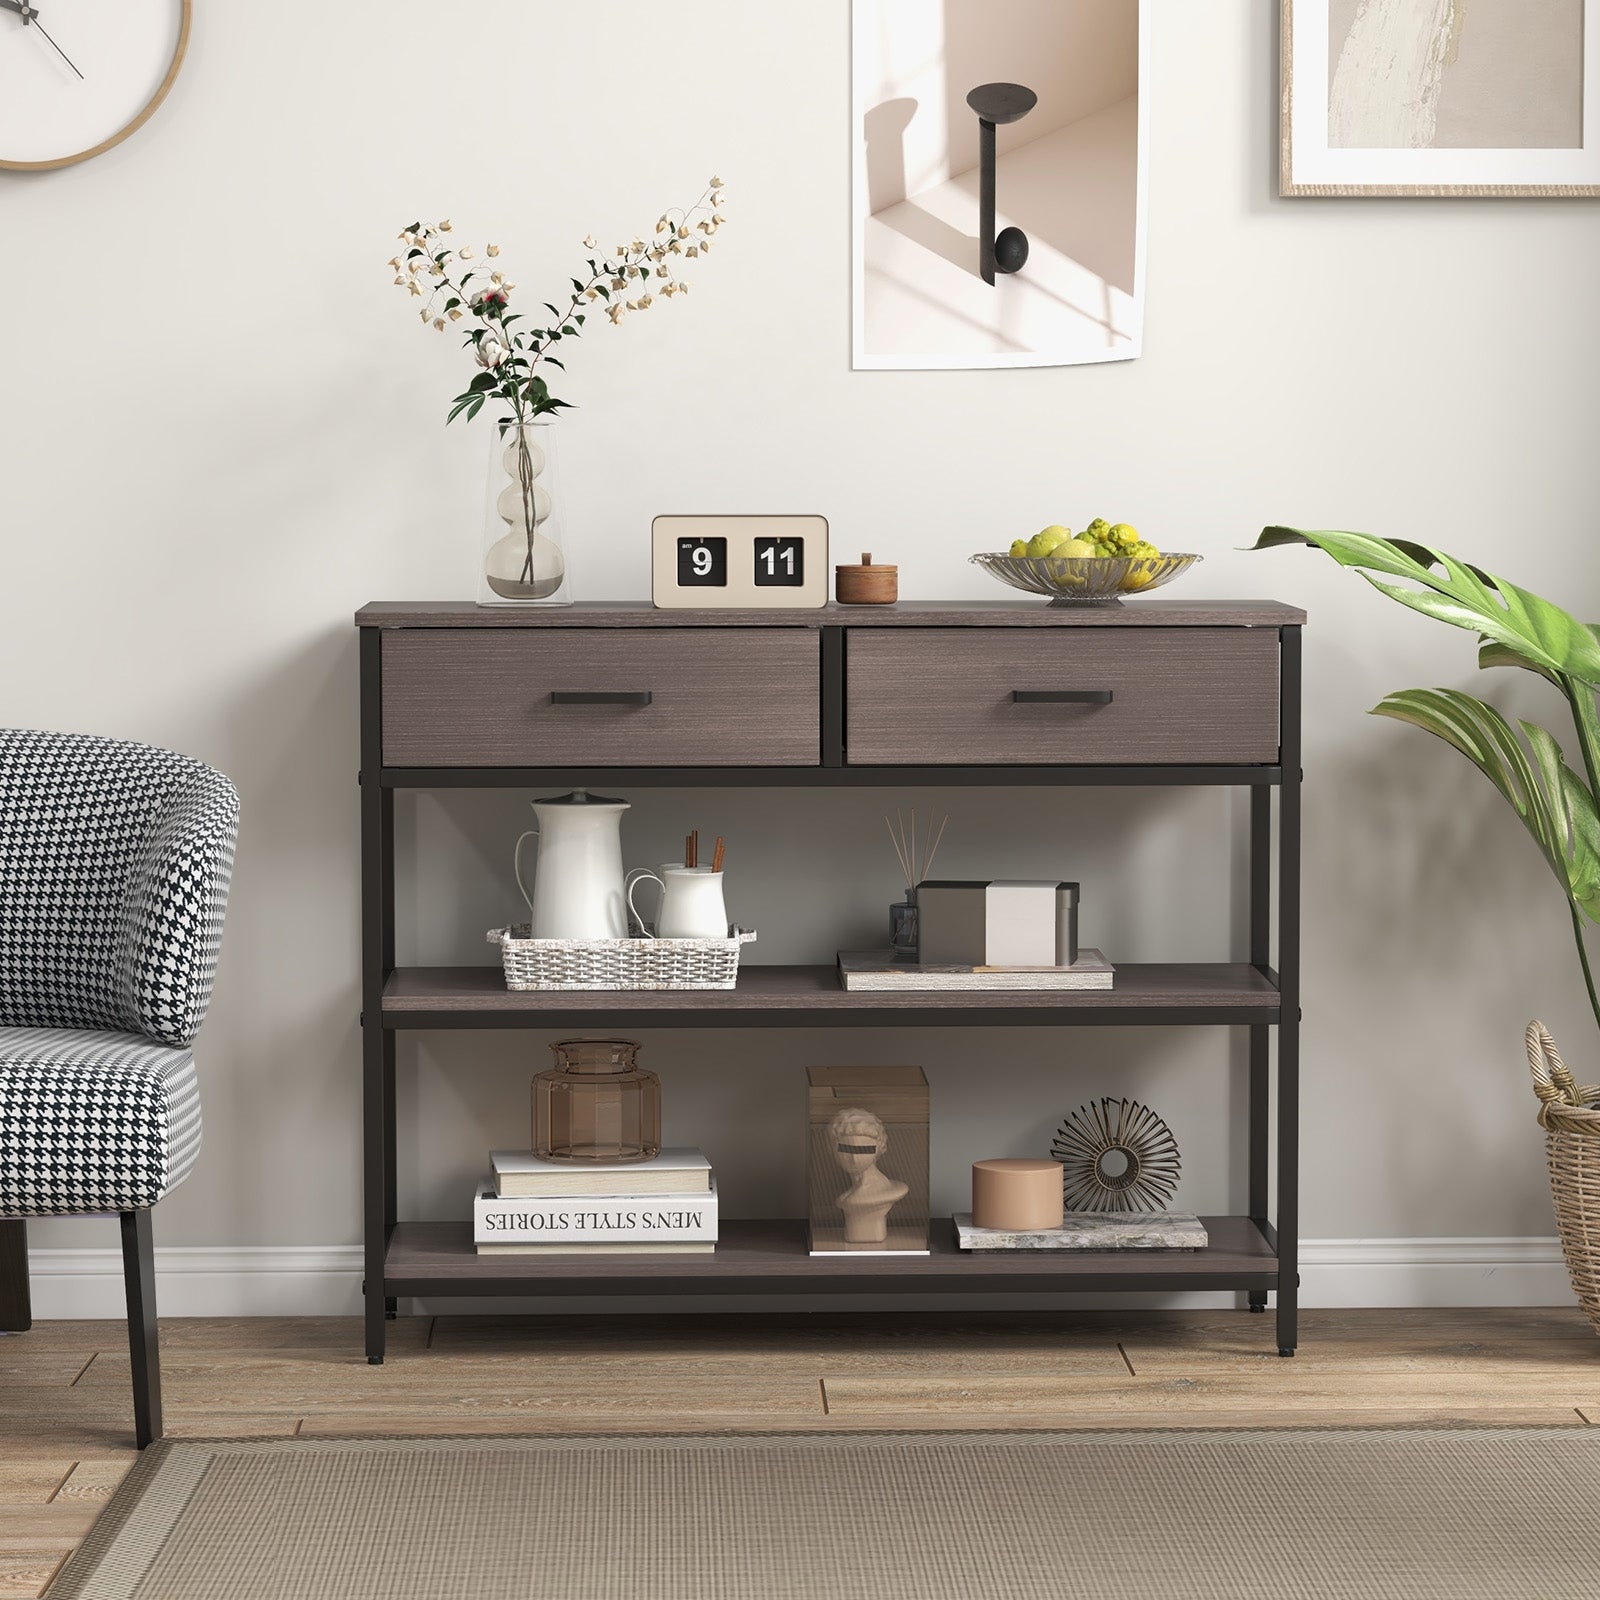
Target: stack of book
point(664, 1206)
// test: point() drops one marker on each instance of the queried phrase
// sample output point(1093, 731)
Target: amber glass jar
point(596, 1104)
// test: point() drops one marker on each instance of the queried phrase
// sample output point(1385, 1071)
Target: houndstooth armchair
point(115, 860)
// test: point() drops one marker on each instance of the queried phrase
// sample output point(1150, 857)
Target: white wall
point(223, 431)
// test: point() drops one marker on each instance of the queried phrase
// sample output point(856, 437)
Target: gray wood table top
point(1151, 612)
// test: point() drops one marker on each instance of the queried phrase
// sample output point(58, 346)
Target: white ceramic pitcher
point(578, 888)
point(691, 902)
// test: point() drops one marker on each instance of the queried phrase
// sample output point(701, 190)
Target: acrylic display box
point(867, 1161)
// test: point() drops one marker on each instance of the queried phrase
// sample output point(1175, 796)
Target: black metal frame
point(378, 784)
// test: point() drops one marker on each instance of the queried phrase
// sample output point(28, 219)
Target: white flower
point(693, 250)
point(455, 316)
point(438, 322)
point(416, 288)
point(589, 241)
point(424, 313)
point(466, 252)
point(716, 183)
point(615, 313)
point(490, 352)
point(444, 227)
point(491, 249)
point(401, 281)
point(637, 247)
point(644, 302)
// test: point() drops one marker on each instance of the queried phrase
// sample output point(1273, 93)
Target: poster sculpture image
point(999, 181)
point(859, 1141)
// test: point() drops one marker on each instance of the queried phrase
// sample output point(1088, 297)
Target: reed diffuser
point(915, 846)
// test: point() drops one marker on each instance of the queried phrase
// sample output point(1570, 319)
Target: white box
point(1019, 917)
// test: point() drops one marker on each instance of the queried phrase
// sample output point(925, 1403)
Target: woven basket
point(1568, 1113)
point(618, 963)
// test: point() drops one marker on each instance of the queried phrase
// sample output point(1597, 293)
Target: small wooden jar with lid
point(1017, 1194)
point(866, 585)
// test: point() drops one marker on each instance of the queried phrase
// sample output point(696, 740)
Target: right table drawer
point(1059, 696)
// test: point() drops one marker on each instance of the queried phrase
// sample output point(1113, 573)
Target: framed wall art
point(999, 182)
point(1441, 97)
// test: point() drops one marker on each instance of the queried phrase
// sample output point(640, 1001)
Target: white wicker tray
point(618, 963)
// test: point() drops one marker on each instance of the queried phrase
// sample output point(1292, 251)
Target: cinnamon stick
point(716, 856)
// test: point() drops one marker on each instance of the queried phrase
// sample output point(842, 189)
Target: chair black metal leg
point(16, 1309)
point(139, 1276)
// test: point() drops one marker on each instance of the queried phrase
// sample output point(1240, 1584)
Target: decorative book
point(887, 969)
point(631, 1247)
point(1092, 1230)
point(609, 1219)
point(521, 1174)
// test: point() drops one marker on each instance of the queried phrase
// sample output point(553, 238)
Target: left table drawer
point(601, 697)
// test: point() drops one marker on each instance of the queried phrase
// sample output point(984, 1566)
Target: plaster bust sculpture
point(859, 1141)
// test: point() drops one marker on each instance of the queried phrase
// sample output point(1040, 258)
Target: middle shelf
point(1217, 993)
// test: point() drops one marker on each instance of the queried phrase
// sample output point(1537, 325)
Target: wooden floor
point(65, 1426)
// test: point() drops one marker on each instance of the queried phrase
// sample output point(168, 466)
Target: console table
point(1150, 692)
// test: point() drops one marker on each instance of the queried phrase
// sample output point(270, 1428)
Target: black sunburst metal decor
point(1116, 1155)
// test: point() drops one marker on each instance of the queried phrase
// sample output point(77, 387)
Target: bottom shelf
point(769, 1257)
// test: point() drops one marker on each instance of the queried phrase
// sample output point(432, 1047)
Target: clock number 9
point(703, 563)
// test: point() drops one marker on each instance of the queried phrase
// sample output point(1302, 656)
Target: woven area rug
point(1405, 1514)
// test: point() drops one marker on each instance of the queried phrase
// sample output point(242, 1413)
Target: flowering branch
point(451, 291)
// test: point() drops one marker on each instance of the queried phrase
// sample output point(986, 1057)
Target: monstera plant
point(1525, 763)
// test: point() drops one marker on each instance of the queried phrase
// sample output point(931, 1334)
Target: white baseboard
point(325, 1280)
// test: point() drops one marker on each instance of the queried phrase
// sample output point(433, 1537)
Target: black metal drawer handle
point(1072, 697)
point(600, 697)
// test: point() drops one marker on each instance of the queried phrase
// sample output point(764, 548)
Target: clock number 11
point(780, 563)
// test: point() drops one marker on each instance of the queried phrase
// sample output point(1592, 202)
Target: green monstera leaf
point(1438, 585)
point(1551, 799)
point(1515, 628)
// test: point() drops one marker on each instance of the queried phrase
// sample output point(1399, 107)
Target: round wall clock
point(78, 76)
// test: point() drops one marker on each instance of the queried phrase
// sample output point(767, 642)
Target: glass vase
point(525, 557)
point(596, 1104)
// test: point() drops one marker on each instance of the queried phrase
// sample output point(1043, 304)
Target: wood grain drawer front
point(601, 697)
point(1061, 696)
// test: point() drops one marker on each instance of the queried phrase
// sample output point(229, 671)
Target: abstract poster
point(1438, 97)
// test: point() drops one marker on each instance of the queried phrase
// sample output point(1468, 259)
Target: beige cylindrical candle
point(1018, 1193)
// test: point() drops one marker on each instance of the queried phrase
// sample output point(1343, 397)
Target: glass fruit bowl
point(1084, 577)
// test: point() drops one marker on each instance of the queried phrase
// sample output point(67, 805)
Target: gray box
point(951, 922)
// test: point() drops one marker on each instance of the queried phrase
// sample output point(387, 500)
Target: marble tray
point(1092, 1230)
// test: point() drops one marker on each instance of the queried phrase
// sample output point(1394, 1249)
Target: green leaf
point(1464, 596)
point(1552, 801)
point(452, 302)
point(554, 362)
